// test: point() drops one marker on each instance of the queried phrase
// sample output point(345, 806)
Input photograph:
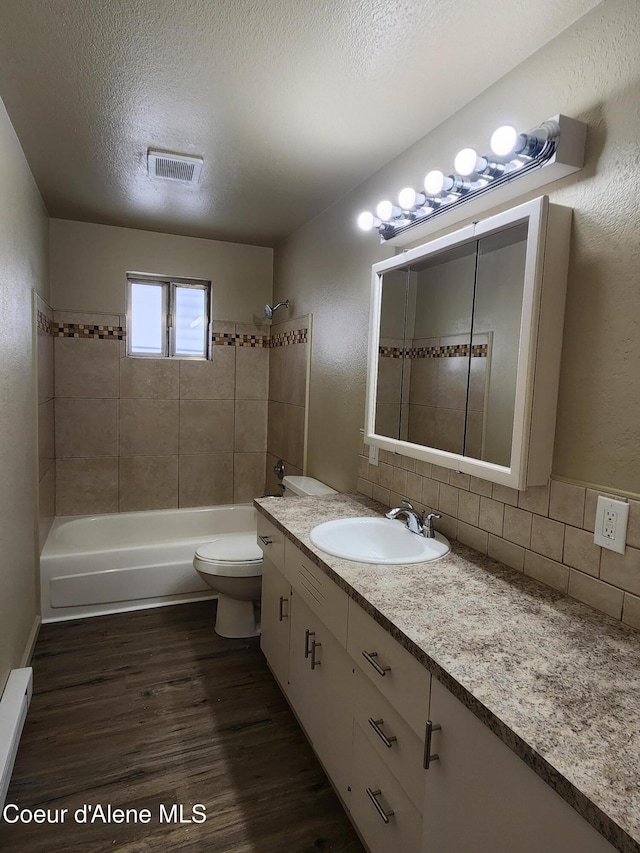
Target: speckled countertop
point(558, 682)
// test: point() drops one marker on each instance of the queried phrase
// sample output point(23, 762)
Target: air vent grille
point(167, 166)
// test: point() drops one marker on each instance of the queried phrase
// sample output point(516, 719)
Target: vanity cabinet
point(480, 796)
point(365, 702)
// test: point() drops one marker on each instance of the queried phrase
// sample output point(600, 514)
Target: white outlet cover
point(621, 517)
point(373, 454)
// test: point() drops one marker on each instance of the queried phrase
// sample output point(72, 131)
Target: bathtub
point(131, 560)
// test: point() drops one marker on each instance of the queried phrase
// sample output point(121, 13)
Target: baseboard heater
point(13, 712)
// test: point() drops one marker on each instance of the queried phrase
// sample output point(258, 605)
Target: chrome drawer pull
point(369, 657)
point(281, 614)
point(314, 646)
point(428, 758)
point(373, 796)
point(307, 634)
point(265, 540)
point(387, 741)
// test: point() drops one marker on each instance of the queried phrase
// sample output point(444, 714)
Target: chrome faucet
point(416, 522)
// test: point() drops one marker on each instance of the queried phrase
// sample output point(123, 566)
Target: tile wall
point(288, 371)
point(545, 532)
point(141, 434)
point(46, 440)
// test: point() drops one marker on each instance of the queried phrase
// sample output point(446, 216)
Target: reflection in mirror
point(390, 353)
point(496, 333)
point(438, 352)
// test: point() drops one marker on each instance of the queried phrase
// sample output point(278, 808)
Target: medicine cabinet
point(464, 346)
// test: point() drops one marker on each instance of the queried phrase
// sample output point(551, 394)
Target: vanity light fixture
point(550, 151)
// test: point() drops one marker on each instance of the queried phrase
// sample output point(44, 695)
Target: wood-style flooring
point(141, 709)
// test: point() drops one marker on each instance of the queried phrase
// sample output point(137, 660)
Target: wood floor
point(141, 709)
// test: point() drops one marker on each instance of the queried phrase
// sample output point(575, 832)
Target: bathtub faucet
point(416, 522)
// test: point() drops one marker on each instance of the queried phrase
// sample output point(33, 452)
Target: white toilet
point(231, 564)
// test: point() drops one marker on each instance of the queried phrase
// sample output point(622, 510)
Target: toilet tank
point(294, 485)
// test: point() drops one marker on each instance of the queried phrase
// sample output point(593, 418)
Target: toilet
point(231, 564)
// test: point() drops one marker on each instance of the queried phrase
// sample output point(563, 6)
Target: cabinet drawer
point(271, 540)
point(384, 815)
point(403, 750)
point(396, 674)
point(320, 593)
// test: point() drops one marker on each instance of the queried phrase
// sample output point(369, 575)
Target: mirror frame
point(538, 368)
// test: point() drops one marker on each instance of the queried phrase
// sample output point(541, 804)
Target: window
point(168, 319)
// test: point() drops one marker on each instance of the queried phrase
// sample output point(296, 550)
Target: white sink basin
point(376, 540)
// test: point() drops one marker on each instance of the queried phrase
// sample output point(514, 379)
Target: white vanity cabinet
point(480, 796)
point(276, 621)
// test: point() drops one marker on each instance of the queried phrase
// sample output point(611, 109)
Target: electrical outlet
point(611, 524)
point(373, 454)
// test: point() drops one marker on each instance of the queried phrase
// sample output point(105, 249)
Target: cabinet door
point(481, 796)
point(276, 618)
point(319, 672)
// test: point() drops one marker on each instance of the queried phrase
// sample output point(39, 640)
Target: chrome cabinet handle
point(307, 634)
point(281, 614)
point(373, 796)
point(428, 758)
point(381, 670)
point(265, 540)
point(314, 646)
point(387, 741)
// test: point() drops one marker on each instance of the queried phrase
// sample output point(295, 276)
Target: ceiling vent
point(173, 167)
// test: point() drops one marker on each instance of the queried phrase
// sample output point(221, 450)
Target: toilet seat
point(230, 555)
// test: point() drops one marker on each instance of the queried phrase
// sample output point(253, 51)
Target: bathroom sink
point(376, 540)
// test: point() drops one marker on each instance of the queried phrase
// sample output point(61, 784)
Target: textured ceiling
point(291, 103)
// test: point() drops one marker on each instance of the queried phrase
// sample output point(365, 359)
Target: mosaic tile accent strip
point(451, 351)
point(86, 330)
point(44, 323)
point(285, 339)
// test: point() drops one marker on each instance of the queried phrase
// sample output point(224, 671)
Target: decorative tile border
point(87, 330)
point(451, 351)
point(285, 339)
point(44, 323)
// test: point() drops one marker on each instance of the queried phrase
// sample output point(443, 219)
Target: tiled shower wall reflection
point(288, 376)
point(142, 434)
point(45, 384)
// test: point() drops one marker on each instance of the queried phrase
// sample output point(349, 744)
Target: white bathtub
point(131, 560)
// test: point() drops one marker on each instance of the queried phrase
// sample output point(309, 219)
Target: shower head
point(269, 311)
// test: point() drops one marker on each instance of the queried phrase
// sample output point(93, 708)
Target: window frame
point(169, 286)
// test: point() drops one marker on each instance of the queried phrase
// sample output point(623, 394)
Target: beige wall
point(23, 260)
point(89, 265)
point(590, 72)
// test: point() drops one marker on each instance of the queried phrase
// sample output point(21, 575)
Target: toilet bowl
point(231, 564)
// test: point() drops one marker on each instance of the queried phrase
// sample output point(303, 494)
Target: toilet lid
point(237, 548)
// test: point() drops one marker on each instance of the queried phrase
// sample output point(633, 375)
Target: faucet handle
point(433, 515)
point(408, 504)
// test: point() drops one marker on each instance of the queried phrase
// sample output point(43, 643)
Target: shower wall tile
point(86, 367)
point(43, 336)
point(46, 503)
point(205, 479)
point(45, 366)
point(250, 426)
point(46, 436)
point(252, 372)
point(147, 482)
point(86, 427)
point(286, 432)
point(86, 486)
point(148, 427)
point(248, 476)
point(206, 426)
point(209, 380)
point(151, 378)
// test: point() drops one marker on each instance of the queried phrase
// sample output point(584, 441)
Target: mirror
point(452, 340)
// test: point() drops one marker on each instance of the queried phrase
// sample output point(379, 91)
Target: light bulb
point(408, 198)
point(467, 162)
point(434, 182)
point(367, 221)
point(386, 210)
point(503, 140)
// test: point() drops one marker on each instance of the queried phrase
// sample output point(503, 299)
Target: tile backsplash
point(545, 532)
point(45, 395)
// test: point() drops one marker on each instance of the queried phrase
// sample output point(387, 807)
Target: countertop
point(558, 682)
